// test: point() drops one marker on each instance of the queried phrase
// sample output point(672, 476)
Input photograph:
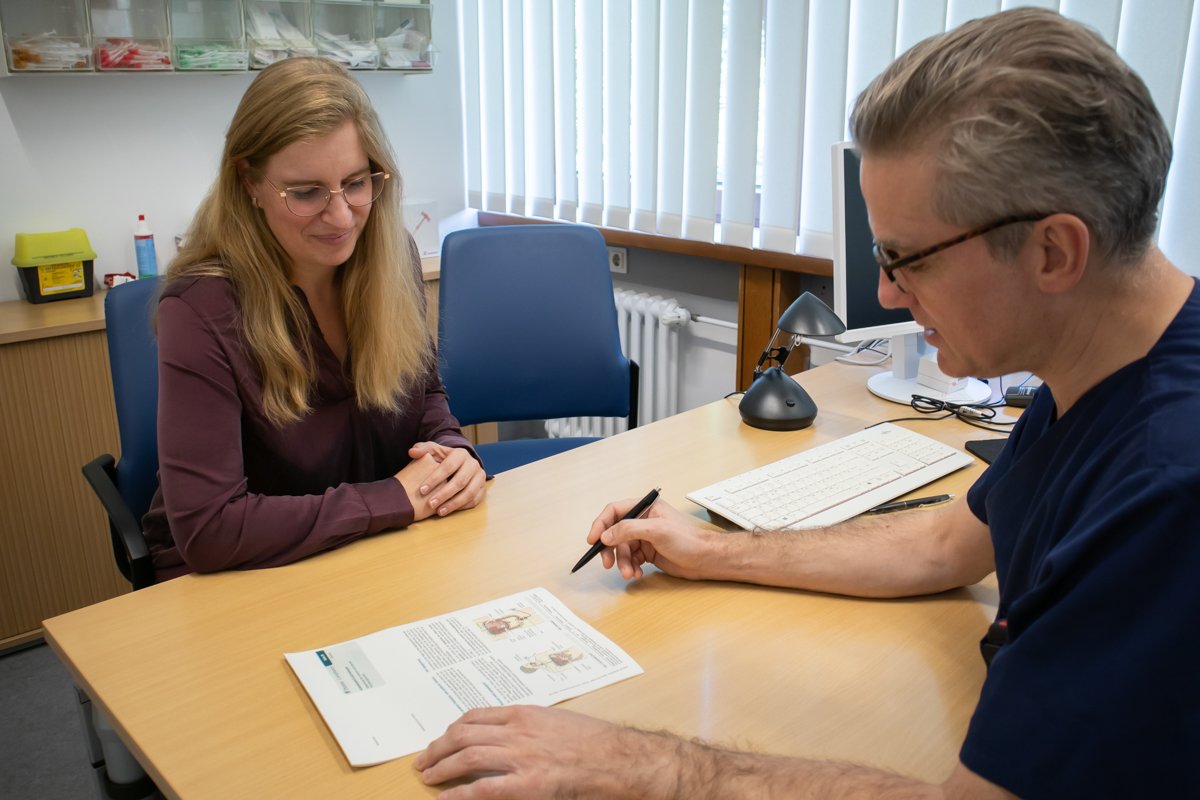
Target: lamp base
point(775, 402)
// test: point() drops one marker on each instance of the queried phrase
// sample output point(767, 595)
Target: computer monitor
point(856, 300)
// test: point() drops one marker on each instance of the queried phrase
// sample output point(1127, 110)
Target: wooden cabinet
point(56, 394)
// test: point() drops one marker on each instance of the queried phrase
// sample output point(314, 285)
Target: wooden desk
point(57, 397)
point(192, 671)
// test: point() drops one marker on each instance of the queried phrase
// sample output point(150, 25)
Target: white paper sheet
point(389, 694)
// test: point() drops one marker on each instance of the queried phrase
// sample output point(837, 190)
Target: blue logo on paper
point(324, 658)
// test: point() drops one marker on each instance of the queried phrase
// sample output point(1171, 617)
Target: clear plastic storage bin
point(47, 36)
point(278, 29)
point(344, 31)
point(208, 35)
point(131, 35)
point(402, 32)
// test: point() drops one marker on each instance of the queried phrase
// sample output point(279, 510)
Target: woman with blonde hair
point(299, 402)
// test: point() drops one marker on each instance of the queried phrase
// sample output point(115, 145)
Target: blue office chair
point(527, 330)
point(126, 487)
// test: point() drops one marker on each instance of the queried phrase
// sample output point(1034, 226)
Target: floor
point(42, 750)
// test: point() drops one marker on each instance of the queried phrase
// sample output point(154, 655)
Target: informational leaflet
point(389, 694)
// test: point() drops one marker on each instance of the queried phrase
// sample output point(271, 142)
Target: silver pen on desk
point(916, 502)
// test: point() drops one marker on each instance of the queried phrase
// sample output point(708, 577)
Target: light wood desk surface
point(192, 673)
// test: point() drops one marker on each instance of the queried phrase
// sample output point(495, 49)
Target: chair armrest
point(635, 381)
point(128, 541)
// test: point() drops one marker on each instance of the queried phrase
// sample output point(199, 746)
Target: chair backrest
point(133, 360)
point(527, 325)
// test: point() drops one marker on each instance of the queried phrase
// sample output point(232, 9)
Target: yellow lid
point(36, 249)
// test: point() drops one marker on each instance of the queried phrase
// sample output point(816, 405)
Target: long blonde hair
point(300, 99)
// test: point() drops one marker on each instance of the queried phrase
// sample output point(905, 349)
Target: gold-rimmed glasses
point(310, 200)
point(889, 260)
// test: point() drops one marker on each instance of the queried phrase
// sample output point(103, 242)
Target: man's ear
point(1064, 243)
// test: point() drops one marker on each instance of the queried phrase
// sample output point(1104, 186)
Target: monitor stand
point(902, 383)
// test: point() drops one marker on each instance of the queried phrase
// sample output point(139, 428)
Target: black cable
point(977, 415)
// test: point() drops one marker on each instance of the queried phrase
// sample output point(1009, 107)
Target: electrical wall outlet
point(618, 260)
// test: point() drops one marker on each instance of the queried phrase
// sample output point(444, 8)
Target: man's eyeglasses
point(889, 260)
point(308, 201)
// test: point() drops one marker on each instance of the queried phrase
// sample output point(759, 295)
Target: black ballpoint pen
point(635, 512)
point(916, 502)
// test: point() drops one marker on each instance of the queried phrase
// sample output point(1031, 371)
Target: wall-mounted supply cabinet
point(43, 36)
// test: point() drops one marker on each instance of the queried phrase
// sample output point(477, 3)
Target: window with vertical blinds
point(712, 120)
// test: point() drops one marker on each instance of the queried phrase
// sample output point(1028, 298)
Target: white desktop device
point(856, 301)
point(831, 482)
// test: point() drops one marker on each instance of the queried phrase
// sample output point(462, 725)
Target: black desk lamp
point(774, 401)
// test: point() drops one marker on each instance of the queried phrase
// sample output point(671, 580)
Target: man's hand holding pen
point(663, 536)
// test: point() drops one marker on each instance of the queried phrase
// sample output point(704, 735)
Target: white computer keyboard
point(832, 482)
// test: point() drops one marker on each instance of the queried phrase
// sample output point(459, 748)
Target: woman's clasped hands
point(441, 480)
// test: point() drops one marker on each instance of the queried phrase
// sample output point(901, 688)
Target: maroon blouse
point(234, 490)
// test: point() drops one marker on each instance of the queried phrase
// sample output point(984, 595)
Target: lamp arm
point(768, 353)
point(777, 354)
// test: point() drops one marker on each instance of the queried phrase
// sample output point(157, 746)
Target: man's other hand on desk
point(536, 753)
point(530, 752)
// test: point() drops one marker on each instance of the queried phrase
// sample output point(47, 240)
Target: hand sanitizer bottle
point(143, 246)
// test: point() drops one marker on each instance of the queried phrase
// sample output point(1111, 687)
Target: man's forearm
point(889, 555)
point(696, 771)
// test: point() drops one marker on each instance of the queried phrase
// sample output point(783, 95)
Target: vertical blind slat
point(491, 88)
point(589, 32)
point(1102, 15)
point(617, 55)
point(672, 86)
point(825, 112)
point(917, 20)
point(644, 116)
point(539, 109)
point(740, 125)
point(783, 123)
point(700, 126)
point(566, 181)
point(960, 11)
point(1179, 236)
point(514, 111)
point(1153, 39)
point(472, 143)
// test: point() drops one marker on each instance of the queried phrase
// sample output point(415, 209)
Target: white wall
point(93, 151)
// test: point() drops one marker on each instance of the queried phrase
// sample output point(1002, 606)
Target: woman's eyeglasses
point(308, 201)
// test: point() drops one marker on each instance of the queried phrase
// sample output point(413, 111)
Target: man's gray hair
point(1026, 111)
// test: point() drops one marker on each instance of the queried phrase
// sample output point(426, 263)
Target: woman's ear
point(243, 168)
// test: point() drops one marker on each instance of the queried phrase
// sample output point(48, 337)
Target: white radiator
point(649, 327)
